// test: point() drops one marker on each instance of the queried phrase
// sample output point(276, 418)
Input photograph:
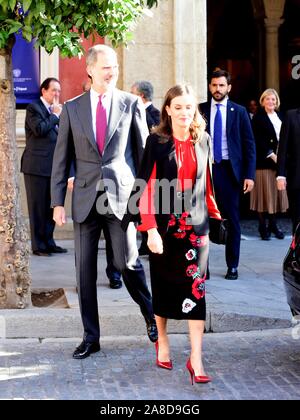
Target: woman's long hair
point(165, 130)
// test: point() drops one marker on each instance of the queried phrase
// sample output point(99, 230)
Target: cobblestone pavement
point(253, 365)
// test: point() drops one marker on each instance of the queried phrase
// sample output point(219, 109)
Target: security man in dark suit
point(288, 162)
point(41, 128)
point(144, 90)
point(234, 159)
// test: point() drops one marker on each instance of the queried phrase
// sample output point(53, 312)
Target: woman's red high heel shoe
point(164, 365)
point(198, 379)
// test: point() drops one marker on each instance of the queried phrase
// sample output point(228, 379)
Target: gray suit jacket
point(115, 170)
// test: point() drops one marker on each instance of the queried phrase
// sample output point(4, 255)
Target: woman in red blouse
point(178, 154)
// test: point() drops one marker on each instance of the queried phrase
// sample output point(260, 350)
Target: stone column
point(190, 45)
point(274, 11)
point(49, 64)
point(168, 48)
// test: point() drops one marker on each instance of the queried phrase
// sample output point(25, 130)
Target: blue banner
point(26, 71)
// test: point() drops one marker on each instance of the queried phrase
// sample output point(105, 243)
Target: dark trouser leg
point(40, 214)
point(143, 249)
point(294, 206)
point(227, 191)
point(87, 236)
point(50, 224)
point(126, 260)
point(111, 271)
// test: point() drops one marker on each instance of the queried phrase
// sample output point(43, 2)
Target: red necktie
point(101, 125)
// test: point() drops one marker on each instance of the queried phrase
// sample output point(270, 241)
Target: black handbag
point(218, 230)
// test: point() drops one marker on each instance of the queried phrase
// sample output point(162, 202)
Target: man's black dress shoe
point(57, 249)
point(232, 274)
point(85, 349)
point(152, 331)
point(115, 283)
point(42, 253)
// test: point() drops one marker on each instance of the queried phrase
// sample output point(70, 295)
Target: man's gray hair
point(92, 54)
point(145, 88)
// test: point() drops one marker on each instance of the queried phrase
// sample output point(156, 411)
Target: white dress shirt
point(276, 121)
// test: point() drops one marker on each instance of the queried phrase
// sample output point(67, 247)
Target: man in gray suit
point(103, 131)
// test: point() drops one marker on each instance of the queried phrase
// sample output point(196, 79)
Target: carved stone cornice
point(272, 24)
point(274, 8)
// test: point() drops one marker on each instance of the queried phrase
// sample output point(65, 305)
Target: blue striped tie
point(218, 135)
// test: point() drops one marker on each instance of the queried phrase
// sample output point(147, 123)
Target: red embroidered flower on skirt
point(180, 234)
point(184, 226)
point(198, 288)
point(198, 241)
point(191, 254)
point(182, 222)
point(192, 270)
point(172, 221)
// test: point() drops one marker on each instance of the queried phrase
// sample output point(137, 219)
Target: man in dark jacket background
point(144, 90)
point(234, 159)
point(41, 127)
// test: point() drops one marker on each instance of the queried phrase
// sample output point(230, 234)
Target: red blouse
point(187, 170)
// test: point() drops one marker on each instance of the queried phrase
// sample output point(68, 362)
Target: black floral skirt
point(178, 275)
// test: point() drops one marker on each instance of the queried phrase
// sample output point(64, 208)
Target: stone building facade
point(171, 47)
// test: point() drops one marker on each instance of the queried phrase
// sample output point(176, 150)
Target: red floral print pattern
point(192, 270)
point(191, 255)
point(198, 241)
point(198, 288)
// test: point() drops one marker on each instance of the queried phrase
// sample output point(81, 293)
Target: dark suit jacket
point(162, 152)
point(265, 139)
point(241, 144)
point(288, 159)
point(41, 136)
point(114, 171)
point(152, 116)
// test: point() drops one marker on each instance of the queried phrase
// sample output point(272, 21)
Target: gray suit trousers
point(87, 235)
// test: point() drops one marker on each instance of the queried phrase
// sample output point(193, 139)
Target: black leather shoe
point(277, 232)
point(85, 349)
point(265, 233)
point(232, 274)
point(152, 331)
point(57, 249)
point(42, 253)
point(115, 283)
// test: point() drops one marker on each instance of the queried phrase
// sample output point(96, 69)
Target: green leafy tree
point(53, 23)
